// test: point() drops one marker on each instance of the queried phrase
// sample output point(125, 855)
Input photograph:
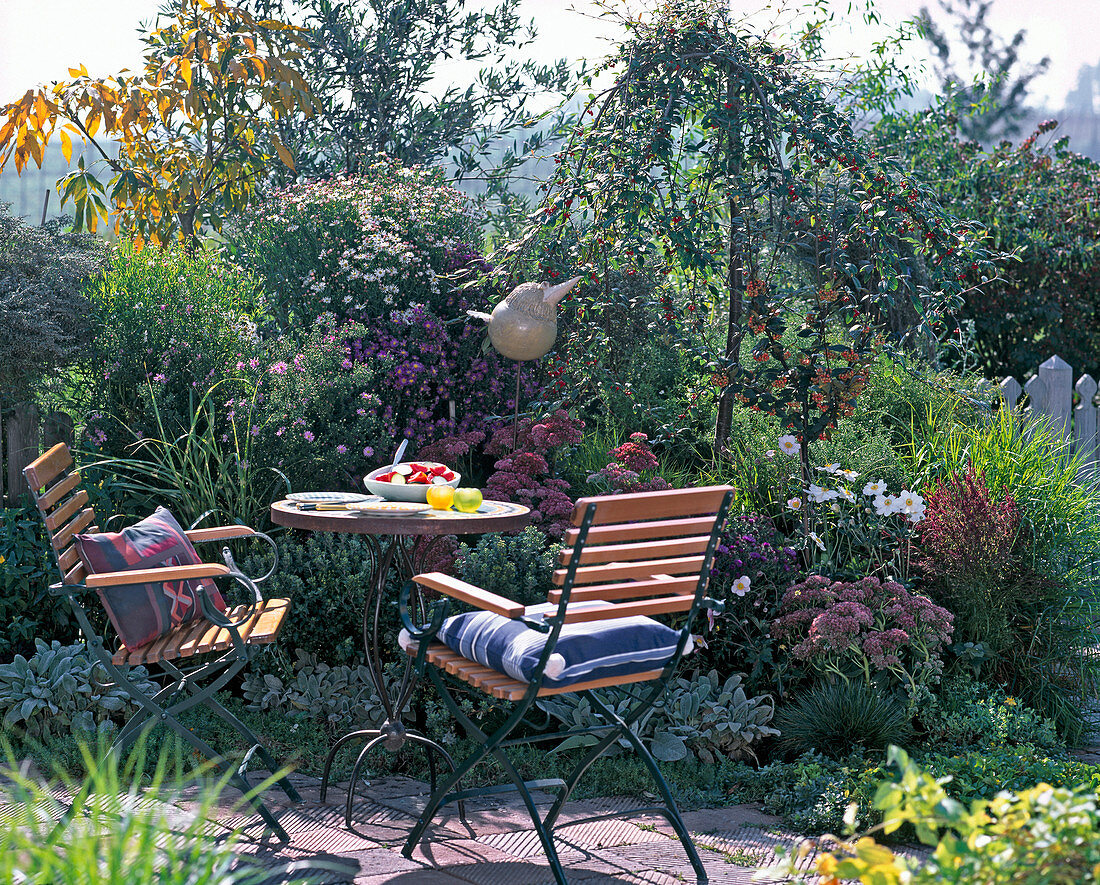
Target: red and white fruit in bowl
point(410, 480)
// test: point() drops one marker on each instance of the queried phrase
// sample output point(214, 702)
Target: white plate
point(389, 508)
point(328, 497)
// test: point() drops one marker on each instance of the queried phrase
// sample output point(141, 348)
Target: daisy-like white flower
point(846, 494)
point(788, 445)
point(817, 540)
point(875, 487)
point(912, 505)
point(741, 586)
point(769, 454)
point(794, 503)
point(830, 468)
point(886, 504)
point(818, 494)
point(850, 475)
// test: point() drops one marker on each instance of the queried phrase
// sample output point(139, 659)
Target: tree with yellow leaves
point(193, 129)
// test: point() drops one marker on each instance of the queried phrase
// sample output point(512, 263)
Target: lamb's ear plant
point(118, 828)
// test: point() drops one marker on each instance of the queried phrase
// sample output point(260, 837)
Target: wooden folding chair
point(196, 659)
point(637, 554)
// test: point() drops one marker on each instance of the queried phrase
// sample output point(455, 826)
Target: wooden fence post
point(1084, 422)
point(21, 437)
point(1057, 377)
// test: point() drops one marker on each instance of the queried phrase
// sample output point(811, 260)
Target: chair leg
point(272, 765)
point(671, 813)
point(154, 711)
point(489, 744)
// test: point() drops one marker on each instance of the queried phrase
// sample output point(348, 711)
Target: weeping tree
point(726, 164)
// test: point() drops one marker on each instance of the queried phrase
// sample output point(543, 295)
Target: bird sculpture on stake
point(524, 326)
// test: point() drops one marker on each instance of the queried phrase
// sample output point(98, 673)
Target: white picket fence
point(1050, 397)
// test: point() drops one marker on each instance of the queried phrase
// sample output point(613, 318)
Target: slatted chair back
point(626, 555)
point(64, 506)
point(227, 639)
point(647, 553)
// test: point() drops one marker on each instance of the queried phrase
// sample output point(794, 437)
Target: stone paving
point(496, 845)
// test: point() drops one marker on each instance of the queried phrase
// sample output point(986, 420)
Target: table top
point(498, 516)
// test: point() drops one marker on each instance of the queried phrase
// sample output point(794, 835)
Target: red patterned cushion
point(142, 612)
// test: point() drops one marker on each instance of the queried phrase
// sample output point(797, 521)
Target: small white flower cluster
point(909, 503)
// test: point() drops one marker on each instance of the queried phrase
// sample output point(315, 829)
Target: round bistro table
point(399, 546)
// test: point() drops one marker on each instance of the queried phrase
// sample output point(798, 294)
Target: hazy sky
point(39, 39)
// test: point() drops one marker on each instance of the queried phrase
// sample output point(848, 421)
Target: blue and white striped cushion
point(585, 651)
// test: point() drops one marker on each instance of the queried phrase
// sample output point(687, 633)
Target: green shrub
point(317, 412)
point(836, 718)
point(968, 713)
point(1045, 835)
point(517, 566)
point(340, 697)
point(813, 792)
point(169, 325)
point(27, 609)
point(359, 247)
point(326, 578)
point(43, 314)
point(61, 689)
point(1050, 617)
point(700, 716)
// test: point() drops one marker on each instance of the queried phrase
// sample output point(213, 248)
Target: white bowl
point(410, 492)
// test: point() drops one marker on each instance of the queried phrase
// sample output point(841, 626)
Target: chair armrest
point(219, 533)
point(157, 575)
point(468, 593)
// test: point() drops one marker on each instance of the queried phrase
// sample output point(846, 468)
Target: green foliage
point(326, 578)
point(169, 326)
point(1042, 835)
point(1046, 663)
point(202, 472)
point(967, 713)
point(812, 793)
point(1027, 199)
point(720, 158)
point(836, 718)
point(369, 66)
point(517, 566)
point(340, 696)
point(702, 716)
point(315, 413)
point(61, 689)
point(119, 839)
point(27, 610)
point(360, 247)
point(43, 313)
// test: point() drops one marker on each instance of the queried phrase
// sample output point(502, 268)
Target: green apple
point(467, 500)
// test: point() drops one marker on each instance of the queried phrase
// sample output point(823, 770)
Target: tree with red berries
point(727, 164)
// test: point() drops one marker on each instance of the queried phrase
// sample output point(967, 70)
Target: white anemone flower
point(846, 494)
point(819, 495)
point(788, 445)
point(912, 505)
point(886, 504)
point(741, 586)
point(875, 487)
point(850, 475)
point(830, 468)
point(794, 503)
point(817, 540)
